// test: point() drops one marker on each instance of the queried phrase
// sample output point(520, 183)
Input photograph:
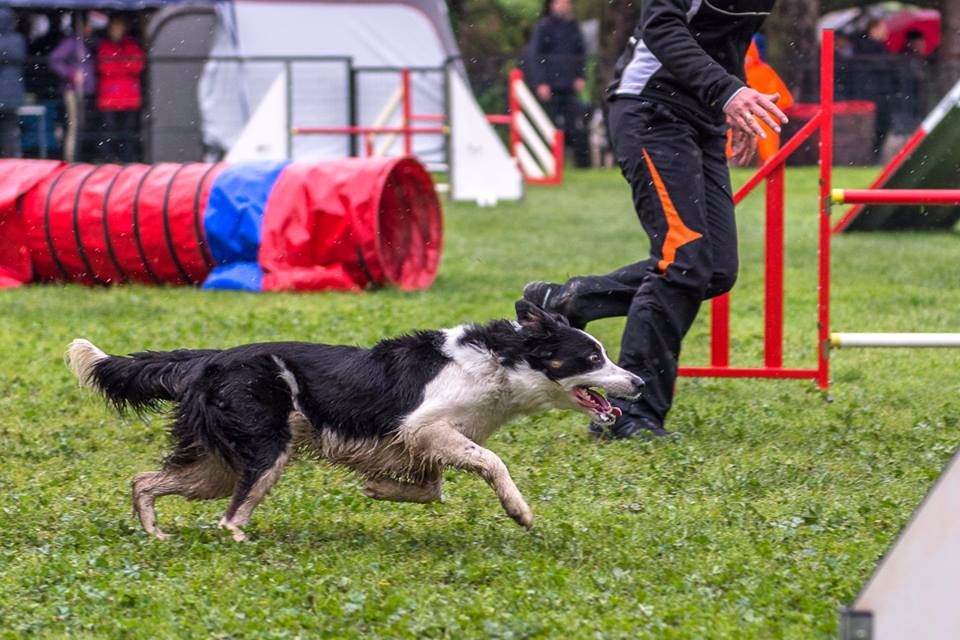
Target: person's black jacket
point(13, 54)
point(689, 53)
point(557, 53)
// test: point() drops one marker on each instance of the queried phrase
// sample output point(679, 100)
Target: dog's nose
point(638, 383)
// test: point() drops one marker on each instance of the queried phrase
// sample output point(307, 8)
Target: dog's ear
point(533, 318)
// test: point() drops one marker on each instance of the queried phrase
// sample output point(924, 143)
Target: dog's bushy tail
point(140, 381)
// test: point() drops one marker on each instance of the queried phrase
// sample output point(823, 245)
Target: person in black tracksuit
point(678, 87)
point(557, 55)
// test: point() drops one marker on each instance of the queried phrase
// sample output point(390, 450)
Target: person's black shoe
point(542, 294)
point(629, 427)
point(549, 297)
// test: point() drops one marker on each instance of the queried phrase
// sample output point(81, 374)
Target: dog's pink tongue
point(616, 411)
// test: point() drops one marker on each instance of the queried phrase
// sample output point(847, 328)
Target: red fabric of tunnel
point(350, 224)
point(114, 224)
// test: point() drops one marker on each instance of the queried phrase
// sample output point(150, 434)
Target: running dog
point(397, 413)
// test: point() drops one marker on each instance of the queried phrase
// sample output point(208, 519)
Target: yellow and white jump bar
point(850, 340)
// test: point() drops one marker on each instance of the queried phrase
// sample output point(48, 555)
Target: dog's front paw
point(235, 531)
point(375, 490)
point(520, 512)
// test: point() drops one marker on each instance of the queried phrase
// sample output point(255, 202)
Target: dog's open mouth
point(600, 409)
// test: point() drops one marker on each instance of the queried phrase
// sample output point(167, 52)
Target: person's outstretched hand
point(748, 105)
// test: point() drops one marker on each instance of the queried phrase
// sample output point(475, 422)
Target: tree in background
point(949, 44)
point(491, 34)
point(793, 47)
point(618, 18)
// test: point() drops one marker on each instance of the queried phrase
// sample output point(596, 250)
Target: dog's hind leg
point(255, 482)
point(423, 492)
point(204, 479)
point(445, 445)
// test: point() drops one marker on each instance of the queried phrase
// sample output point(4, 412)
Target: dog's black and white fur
point(398, 413)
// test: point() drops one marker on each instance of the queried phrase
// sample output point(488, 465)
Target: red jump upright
point(773, 173)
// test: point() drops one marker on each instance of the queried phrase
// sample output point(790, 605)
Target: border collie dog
point(397, 413)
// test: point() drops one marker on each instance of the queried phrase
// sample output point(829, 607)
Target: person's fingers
point(768, 103)
point(743, 148)
point(739, 158)
point(772, 97)
point(767, 119)
point(736, 149)
point(752, 127)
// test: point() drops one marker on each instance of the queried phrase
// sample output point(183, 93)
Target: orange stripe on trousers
point(678, 234)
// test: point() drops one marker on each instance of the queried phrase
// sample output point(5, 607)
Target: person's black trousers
point(120, 135)
point(9, 134)
point(570, 115)
point(677, 169)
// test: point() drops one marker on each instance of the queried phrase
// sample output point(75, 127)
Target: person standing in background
point(72, 61)
point(13, 55)
point(120, 61)
point(558, 56)
point(879, 83)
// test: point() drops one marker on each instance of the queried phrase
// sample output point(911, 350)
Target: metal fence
point(333, 92)
point(327, 91)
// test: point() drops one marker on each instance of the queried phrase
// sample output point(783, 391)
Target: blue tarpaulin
point(233, 223)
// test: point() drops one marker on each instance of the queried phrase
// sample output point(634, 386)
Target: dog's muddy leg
point(447, 446)
point(144, 487)
point(427, 490)
point(255, 482)
point(203, 480)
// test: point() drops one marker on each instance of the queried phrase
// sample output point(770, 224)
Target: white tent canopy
point(248, 107)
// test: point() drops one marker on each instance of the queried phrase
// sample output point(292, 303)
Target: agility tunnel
point(345, 225)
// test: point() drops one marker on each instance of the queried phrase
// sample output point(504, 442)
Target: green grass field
point(765, 517)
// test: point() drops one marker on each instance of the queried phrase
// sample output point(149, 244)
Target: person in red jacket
point(120, 61)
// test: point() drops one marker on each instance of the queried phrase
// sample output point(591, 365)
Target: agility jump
point(772, 174)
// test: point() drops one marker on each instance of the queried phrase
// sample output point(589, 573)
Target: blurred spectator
point(44, 34)
point(873, 41)
point(72, 61)
point(843, 46)
point(878, 80)
point(914, 77)
point(120, 61)
point(915, 43)
point(557, 73)
point(13, 54)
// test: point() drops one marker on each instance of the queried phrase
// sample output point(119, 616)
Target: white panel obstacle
point(481, 169)
point(915, 590)
point(265, 136)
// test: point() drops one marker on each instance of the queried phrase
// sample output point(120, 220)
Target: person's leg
point(662, 159)
point(108, 136)
point(573, 118)
point(9, 134)
point(721, 221)
point(583, 299)
point(72, 107)
point(127, 136)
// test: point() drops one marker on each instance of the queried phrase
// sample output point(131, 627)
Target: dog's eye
point(595, 358)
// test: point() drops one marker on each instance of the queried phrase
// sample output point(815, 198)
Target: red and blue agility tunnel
point(335, 225)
